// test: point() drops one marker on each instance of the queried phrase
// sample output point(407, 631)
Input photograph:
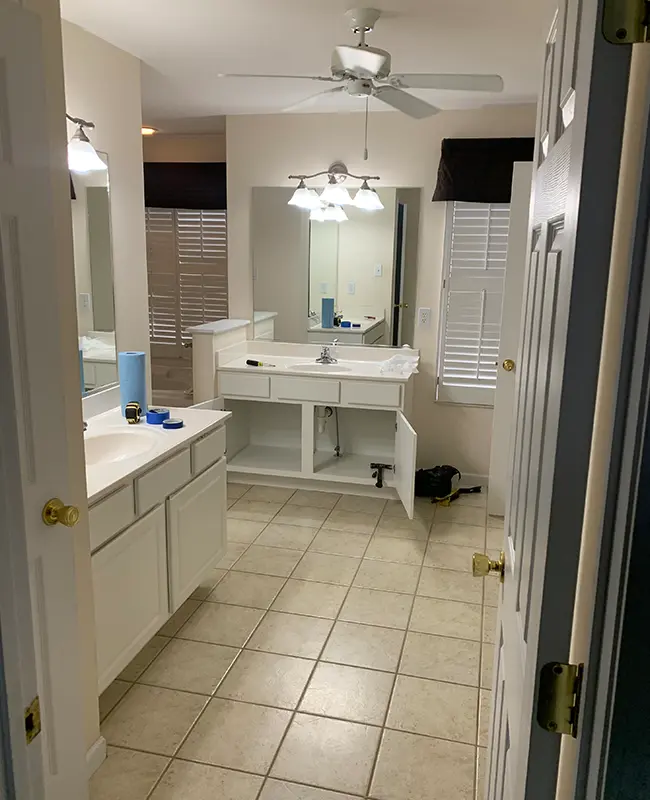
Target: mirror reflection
point(93, 261)
point(354, 281)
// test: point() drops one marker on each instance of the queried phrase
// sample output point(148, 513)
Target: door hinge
point(626, 21)
point(32, 720)
point(558, 702)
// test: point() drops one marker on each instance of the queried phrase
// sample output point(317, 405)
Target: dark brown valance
point(480, 170)
point(194, 185)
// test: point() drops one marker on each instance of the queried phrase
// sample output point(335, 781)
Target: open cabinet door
point(406, 448)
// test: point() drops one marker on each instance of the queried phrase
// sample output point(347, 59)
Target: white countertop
point(220, 326)
point(355, 370)
point(365, 326)
point(104, 477)
point(261, 316)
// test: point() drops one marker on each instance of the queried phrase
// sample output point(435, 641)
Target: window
point(476, 244)
point(187, 266)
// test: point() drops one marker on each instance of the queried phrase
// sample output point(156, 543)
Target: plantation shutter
point(474, 272)
point(187, 264)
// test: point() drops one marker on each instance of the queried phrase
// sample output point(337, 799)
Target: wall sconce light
point(82, 156)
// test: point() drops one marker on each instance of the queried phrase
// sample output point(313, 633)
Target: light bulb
point(305, 198)
point(367, 199)
point(335, 193)
point(82, 156)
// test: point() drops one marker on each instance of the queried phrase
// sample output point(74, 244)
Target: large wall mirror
point(367, 265)
point(93, 263)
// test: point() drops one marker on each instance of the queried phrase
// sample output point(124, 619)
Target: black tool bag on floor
point(438, 483)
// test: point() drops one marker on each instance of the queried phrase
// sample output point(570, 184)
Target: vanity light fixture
point(335, 193)
point(305, 198)
point(368, 199)
point(328, 213)
point(82, 156)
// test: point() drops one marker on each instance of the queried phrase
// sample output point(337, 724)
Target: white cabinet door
point(196, 531)
point(406, 446)
point(131, 598)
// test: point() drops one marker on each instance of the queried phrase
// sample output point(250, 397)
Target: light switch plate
point(352, 287)
point(379, 270)
point(84, 300)
point(323, 288)
point(424, 317)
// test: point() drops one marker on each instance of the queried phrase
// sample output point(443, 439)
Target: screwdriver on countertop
point(251, 363)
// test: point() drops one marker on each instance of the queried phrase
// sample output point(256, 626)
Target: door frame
point(396, 312)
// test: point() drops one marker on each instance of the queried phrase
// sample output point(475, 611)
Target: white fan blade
point(282, 77)
point(313, 99)
point(463, 83)
point(403, 101)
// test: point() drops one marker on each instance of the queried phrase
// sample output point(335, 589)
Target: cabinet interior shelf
point(266, 460)
point(349, 466)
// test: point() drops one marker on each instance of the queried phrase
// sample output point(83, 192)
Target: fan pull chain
point(365, 147)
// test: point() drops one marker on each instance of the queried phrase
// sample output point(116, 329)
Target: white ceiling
point(186, 44)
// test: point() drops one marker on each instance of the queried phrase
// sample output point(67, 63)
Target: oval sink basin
point(113, 446)
point(312, 367)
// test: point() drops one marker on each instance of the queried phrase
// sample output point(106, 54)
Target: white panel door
point(578, 136)
point(406, 448)
point(197, 531)
point(513, 292)
point(39, 458)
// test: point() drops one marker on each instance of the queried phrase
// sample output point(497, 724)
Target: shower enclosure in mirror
point(367, 265)
point(93, 262)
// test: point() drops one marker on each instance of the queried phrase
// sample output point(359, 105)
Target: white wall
point(173, 147)
point(102, 84)
point(264, 150)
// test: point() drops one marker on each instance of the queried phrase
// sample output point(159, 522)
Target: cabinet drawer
point(130, 592)
point(153, 487)
point(310, 389)
point(208, 450)
point(231, 383)
point(367, 393)
point(110, 516)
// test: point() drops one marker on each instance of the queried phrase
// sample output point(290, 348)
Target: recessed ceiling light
point(147, 131)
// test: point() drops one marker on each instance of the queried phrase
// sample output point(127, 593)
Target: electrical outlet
point(352, 287)
point(379, 270)
point(424, 317)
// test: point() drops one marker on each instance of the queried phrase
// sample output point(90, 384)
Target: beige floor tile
point(433, 708)
point(177, 620)
point(485, 710)
point(244, 530)
point(339, 543)
point(387, 576)
point(489, 624)
point(315, 499)
point(399, 551)
point(111, 696)
point(403, 527)
point(153, 719)
point(190, 666)
point(495, 538)
point(496, 521)
point(236, 735)
point(360, 504)
point(291, 537)
point(269, 560)
point(414, 767)
point(327, 753)
point(291, 635)
point(283, 790)
point(481, 772)
point(267, 678)
point(464, 515)
point(441, 658)
point(144, 658)
point(327, 569)
point(351, 521)
point(269, 494)
point(310, 598)
point(424, 508)
point(221, 624)
point(455, 533)
point(247, 589)
point(255, 510)
point(449, 556)
point(236, 490)
point(234, 551)
point(450, 585)
point(207, 584)
point(351, 693)
point(187, 781)
point(364, 646)
point(487, 665)
point(307, 516)
point(126, 775)
point(491, 591)
point(446, 618)
point(476, 499)
point(387, 609)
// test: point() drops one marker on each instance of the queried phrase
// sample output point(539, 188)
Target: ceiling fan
point(365, 71)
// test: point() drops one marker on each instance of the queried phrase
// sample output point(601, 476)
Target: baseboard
point(474, 479)
point(95, 756)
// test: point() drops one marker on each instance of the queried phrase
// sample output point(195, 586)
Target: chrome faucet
point(326, 356)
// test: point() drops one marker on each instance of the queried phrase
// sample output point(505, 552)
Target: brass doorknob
point(483, 565)
point(508, 365)
point(401, 305)
point(56, 511)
